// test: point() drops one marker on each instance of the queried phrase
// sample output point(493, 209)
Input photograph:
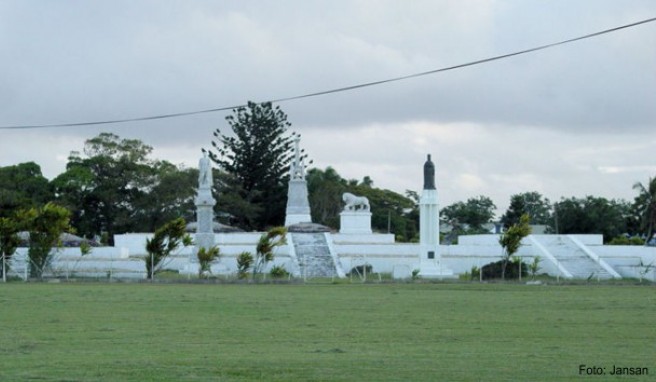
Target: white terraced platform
point(573, 257)
point(565, 256)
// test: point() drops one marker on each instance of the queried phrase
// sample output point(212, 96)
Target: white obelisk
point(298, 205)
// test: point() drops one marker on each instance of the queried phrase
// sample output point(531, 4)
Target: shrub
point(475, 273)
point(165, 240)
point(623, 240)
point(361, 270)
point(534, 267)
point(495, 270)
point(274, 237)
point(9, 241)
point(244, 262)
point(205, 257)
point(278, 272)
point(85, 248)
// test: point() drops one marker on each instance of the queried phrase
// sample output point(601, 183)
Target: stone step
point(313, 254)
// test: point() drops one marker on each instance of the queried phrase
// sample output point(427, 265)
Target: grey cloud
point(72, 61)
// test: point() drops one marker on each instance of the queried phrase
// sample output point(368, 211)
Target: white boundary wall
point(125, 259)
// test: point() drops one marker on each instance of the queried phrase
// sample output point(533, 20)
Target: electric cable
point(340, 89)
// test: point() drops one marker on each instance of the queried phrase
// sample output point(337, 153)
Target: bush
point(278, 272)
point(166, 239)
point(475, 273)
point(494, 270)
point(244, 261)
point(360, 270)
point(205, 258)
point(274, 237)
point(623, 240)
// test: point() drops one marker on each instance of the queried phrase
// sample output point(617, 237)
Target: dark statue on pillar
point(429, 174)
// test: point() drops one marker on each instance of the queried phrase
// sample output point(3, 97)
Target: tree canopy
point(532, 203)
point(255, 157)
point(116, 188)
point(45, 226)
point(470, 216)
point(592, 215)
point(23, 186)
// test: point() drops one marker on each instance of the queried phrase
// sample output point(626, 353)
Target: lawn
point(348, 332)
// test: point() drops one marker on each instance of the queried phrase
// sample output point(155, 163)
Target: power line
point(341, 89)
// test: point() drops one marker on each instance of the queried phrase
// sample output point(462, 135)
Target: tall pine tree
point(256, 156)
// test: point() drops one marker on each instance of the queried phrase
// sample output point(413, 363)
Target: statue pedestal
point(298, 206)
point(430, 264)
point(433, 269)
point(204, 237)
point(355, 222)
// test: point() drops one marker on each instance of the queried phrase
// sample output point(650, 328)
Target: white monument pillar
point(298, 205)
point(430, 265)
point(204, 207)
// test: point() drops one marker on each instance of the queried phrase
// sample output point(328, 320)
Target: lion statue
point(354, 202)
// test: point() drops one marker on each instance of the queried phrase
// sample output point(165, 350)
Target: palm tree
point(646, 203)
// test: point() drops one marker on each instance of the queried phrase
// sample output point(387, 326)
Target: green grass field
point(350, 332)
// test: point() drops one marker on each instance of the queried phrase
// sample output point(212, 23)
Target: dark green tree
point(469, 216)
point(170, 195)
point(22, 186)
point(257, 154)
point(390, 211)
point(645, 205)
point(325, 189)
point(102, 187)
point(235, 206)
point(114, 187)
point(532, 203)
point(592, 215)
point(45, 226)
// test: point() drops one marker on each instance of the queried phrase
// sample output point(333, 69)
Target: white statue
point(204, 172)
point(354, 202)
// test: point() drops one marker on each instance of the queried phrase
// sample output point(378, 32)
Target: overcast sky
point(574, 120)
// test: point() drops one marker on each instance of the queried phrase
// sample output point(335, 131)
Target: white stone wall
point(378, 250)
point(626, 259)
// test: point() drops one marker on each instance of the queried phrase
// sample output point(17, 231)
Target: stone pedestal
point(355, 222)
point(204, 237)
point(298, 205)
point(430, 265)
point(433, 269)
